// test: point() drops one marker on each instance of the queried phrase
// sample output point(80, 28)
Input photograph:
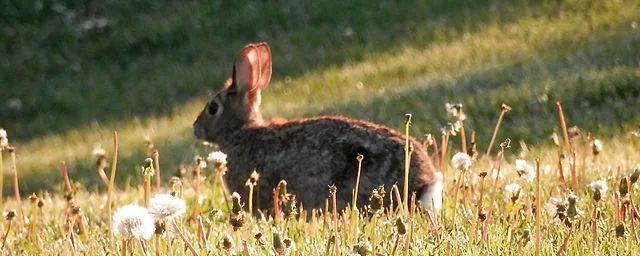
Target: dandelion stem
point(184, 238)
point(463, 139)
point(124, 247)
point(563, 124)
point(114, 165)
point(574, 175)
point(196, 205)
point(147, 189)
point(407, 159)
point(594, 226)
point(494, 193)
point(1, 176)
point(355, 192)
point(156, 162)
point(538, 199)
point(395, 245)
point(503, 111)
point(251, 199)
point(65, 177)
point(6, 234)
point(16, 187)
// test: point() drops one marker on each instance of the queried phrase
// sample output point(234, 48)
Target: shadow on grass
point(599, 79)
point(73, 64)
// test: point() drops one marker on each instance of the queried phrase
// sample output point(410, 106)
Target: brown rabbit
point(309, 153)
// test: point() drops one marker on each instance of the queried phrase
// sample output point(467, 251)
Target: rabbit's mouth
point(199, 132)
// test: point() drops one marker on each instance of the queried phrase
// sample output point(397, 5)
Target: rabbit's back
point(311, 154)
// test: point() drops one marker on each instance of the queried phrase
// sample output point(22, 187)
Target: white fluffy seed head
point(461, 161)
point(512, 188)
point(4, 139)
point(166, 207)
point(599, 185)
point(133, 221)
point(597, 146)
point(525, 170)
point(217, 157)
point(98, 152)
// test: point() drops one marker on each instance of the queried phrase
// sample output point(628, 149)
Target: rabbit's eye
point(212, 108)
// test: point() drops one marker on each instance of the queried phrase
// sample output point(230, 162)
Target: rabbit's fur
point(310, 153)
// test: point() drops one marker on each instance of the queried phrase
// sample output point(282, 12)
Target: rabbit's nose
point(198, 132)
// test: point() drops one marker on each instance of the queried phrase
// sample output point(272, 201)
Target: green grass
point(148, 72)
point(142, 74)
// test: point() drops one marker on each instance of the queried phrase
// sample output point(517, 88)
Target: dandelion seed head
point(551, 207)
point(596, 146)
point(217, 157)
point(133, 221)
point(166, 207)
point(98, 151)
point(4, 139)
point(525, 170)
point(600, 185)
point(461, 161)
point(512, 188)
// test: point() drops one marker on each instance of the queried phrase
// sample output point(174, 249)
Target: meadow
point(75, 72)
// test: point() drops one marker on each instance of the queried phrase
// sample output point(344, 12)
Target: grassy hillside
point(75, 72)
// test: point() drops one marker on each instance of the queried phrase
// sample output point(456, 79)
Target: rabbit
point(308, 153)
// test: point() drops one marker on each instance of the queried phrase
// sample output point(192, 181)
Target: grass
point(147, 70)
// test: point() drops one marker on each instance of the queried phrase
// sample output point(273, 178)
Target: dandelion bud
point(332, 190)
point(376, 201)
point(635, 175)
point(620, 230)
point(624, 187)
point(526, 235)
point(259, 239)
point(402, 229)
point(227, 242)
point(282, 188)
point(482, 216)
point(288, 243)
point(278, 244)
point(75, 210)
point(506, 108)
point(33, 198)
point(237, 205)
point(572, 210)
point(147, 168)
point(290, 208)
point(597, 195)
point(9, 215)
point(160, 227)
point(363, 248)
point(253, 178)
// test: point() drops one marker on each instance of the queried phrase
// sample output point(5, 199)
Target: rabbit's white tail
point(431, 197)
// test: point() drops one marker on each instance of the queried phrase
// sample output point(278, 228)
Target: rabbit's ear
point(252, 69)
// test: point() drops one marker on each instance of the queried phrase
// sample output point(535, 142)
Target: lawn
point(74, 72)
